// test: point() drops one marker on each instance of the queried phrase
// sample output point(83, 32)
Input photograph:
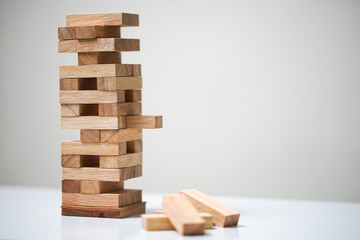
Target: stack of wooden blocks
point(102, 97)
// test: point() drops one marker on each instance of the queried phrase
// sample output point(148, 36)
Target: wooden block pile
point(102, 97)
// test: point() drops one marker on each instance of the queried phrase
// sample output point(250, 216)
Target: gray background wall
point(260, 98)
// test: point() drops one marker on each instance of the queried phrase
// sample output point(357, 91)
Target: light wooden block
point(80, 148)
point(103, 19)
point(183, 215)
point(104, 212)
point(71, 186)
point(222, 215)
point(119, 109)
point(118, 83)
point(132, 95)
point(144, 122)
point(102, 174)
point(93, 122)
point(134, 146)
point(69, 84)
point(76, 110)
point(100, 70)
point(96, 187)
point(88, 32)
point(91, 96)
point(89, 136)
point(76, 161)
point(86, 58)
point(121, 161)
point(121, 135)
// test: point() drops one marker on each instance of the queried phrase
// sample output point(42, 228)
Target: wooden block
point(119, 109)
point(91, 96)
point(105, 212)
point(118, 198)
point(160, 222)
point(103, 19)
point(88, 32)
point(67, 84)
point(132, 95)
point(144, 122)
point(89, 136)
point(134, 146)
point(96, 187)
point(92, 122)
point(77, 147)
point(183, 215)
point(223, 215)
point(99, 70)
point(99, 45)
point(121, 135)
point(102, 174)
point(75, 110)
point(119, 83)
point(86, 58)
point(121, 161)
point(76, 161)
point(71, 186)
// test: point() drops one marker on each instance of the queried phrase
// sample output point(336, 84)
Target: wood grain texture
point(76, 161)
point(122, 135)
point(132, 95)
point(102, 174)
point(121, 161)
point(119, 109)
point(100, 70)
point(69, 84)
point(134, 146)
point(183, 215)
point(104, 212)
point(118, 83)
point(144, 122)
point(86, 58)
point(80, 148)
point(75, 110)
point(70, 186)
point(91, 96)
point(222, 215)
point(89, 136)
point(96, 187)
point(88, 32)
point(118, 198)
point(103, 19)
point(93, 122)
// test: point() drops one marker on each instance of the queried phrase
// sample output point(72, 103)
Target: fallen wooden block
point(76, 110)
point(103, 19)
point(121, 135)
point(222, 215)
point(69, 84)
point(80, 148)
point(87, 58)
point(92, 96)
point(119, 83)
point(88, 32)
point(93, 122)
point(182, 215)
point(144, 122)
point(102, 174)
point(121, 161)
point(206, 216)
point(119, 109)
point(70, 186)
point(76, 161)
point(96, 187)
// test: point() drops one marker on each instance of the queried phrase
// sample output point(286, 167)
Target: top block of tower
point(103, 19)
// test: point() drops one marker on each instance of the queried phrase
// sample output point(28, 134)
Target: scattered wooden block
point(103, 19)
point(76, 161)
point(105, 212)
point(89, 136)
point(88, 32)
point(88, 97)
point(86, 58)
point(102, 174)
point(119, 83)
point(100, 70)
point(144, 122)
point(96, 187)
point(93, 122)
point(132, 95)
point(76, 110)
point(134, 146)
point(121, 161)
point(223, 215)
point(71, 186)
point(77, 147)
point(183, 215)
point(121, 135)
point(67, 84)
point(119, 109)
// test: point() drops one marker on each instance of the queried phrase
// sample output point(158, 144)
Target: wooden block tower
point(101, 97)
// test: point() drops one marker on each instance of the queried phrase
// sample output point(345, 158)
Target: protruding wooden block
point(134, 146)
point(102, 174)
point(96, 187)
point(100, 70)
point(103, 19)
point(119, 83)
point(223, 215)
point(76, 161)
point(105, 212)
point(69, 84)
point(121, 135)
point(144, 122)
point(88, 32)
point(183, 215)
point(121, 161)
point(89, 136)
point(119, 109)
point(77, 147)
point(86, 58)
point(71, 186)
point(75, 110)
point(93, 122)
point(132, 95)
point(88, 97)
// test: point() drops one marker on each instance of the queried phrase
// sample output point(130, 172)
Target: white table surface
point(34, 213)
